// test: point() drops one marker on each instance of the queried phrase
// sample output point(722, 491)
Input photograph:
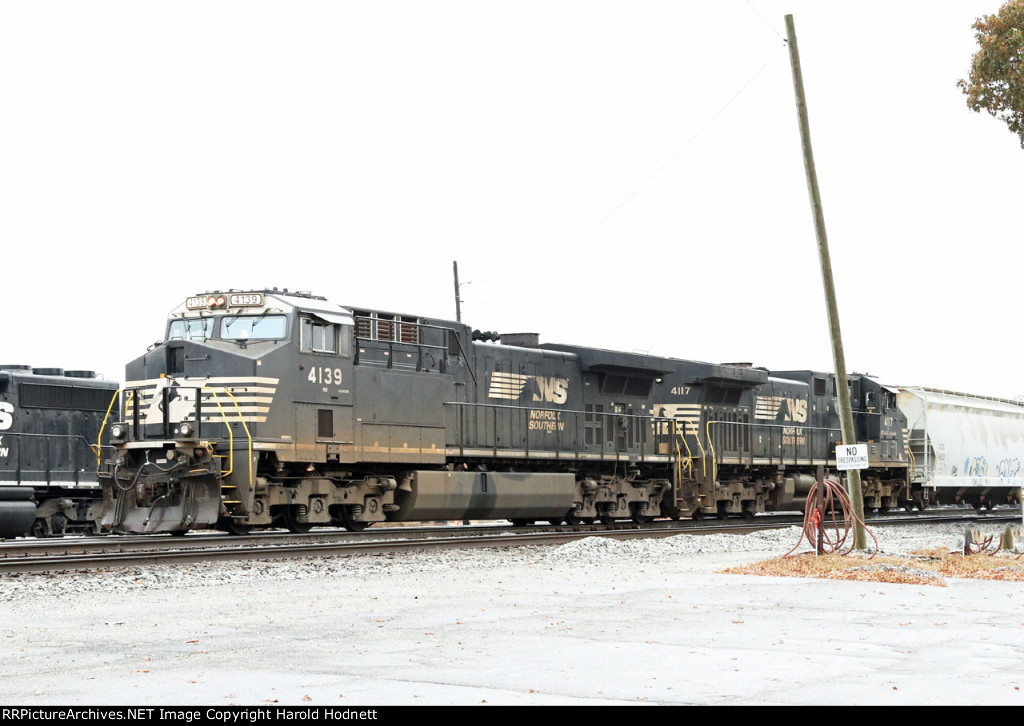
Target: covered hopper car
point(966, 449)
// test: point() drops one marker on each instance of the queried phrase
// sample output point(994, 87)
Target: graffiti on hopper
point(1008, 467)
point(978, 466)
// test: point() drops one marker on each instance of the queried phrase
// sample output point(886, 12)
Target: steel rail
point(217, 549)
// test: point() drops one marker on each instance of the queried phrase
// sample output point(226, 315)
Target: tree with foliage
point(996, 83)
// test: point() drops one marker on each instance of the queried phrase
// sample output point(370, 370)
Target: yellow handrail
point(679, 455)
point(245, 427)
point(227, 424)
point(711, 445)
point(99, 437)
point(224, 417)
point(703, 454)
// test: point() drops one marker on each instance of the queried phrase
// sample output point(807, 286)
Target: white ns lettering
point(6, 417)
point(797, 409)
point(552, 390)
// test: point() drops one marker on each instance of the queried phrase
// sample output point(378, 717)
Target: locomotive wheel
point(288, 521)
point(40, 528)
point(233, 527)
point(572, 519)
point(637, 515)
point(350, 524)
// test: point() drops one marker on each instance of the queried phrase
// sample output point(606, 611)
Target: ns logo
point(796, 410)
point(768, 408)
point(6, 416)
point(551, 390)
point(511, 386)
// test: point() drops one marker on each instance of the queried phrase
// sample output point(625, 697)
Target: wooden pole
point(838, 358)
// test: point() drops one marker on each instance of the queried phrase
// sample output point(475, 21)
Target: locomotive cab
point(248, 414)
point(197, 408)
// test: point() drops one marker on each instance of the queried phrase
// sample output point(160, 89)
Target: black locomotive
point(269, 408)
point(50, 422)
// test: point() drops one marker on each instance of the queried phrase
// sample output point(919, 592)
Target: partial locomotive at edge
point(280, 409)
point(50, 422)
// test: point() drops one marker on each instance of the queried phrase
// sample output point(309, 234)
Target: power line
point(678, 151)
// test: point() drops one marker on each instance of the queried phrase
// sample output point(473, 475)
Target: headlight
point(185, 430)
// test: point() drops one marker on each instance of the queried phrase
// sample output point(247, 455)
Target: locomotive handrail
point(420, 346)
point(752, 426)
point(231, 436)
point(245, 427)
point(676, 437)
point(50, 439)
point(132, 397)
point(103, 424)
point(642, 441)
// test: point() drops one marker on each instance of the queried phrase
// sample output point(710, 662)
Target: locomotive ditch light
point(184, 430)
point(119, 432)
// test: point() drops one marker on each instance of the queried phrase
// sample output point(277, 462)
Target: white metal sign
point(851, 457)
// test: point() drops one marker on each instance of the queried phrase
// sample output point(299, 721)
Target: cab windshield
point(190, 329)
point(252, 327)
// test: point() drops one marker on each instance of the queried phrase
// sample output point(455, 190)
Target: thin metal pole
point(839, 359)
point(458, 300)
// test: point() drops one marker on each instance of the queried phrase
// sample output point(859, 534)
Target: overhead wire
point(678, 151)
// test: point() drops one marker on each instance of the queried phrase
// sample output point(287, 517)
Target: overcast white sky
point(625, 175)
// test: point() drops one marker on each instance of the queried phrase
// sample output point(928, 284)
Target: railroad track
point(97, 553)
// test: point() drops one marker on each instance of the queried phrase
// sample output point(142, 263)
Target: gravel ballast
point(595, 621)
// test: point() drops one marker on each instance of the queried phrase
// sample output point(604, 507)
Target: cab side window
point(319, 336)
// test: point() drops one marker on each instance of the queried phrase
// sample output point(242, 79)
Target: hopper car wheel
point(521, 522)
point(178, 532)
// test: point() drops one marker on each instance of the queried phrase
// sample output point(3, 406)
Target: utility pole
point(838, 358)
point(458, 300)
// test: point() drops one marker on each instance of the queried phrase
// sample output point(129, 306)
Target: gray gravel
point(588, 552)
point(597, 621)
